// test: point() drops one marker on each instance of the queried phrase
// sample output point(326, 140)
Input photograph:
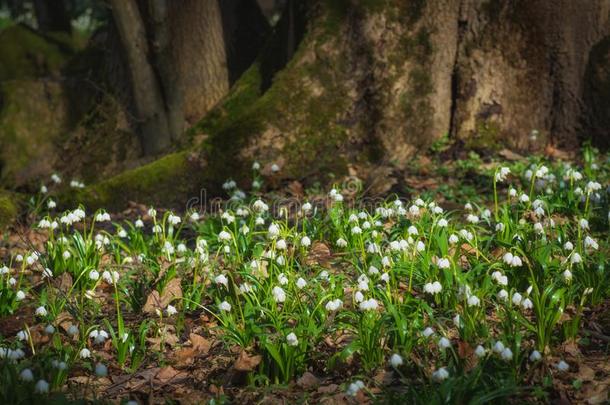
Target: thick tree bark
point(521, 71)
point(198, 54)
point(146, 90)
point(182, 56)
point(52, 16)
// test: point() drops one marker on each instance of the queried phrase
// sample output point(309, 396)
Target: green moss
point(26, 54)
point(32, 118)
point(169, 181)
point(487, 137)
point(8, 208)
point(413, 10)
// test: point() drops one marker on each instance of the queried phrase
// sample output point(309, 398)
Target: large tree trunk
point(198, 55)
point(182, 55)
point(147, 94)
point(372, 84)
point(52, 16)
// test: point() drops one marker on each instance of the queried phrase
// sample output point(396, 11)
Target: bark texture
point(147, 93)
point(182, 56)
point(198, 55)
point(345, 86)
point(521, 71)
point(377, 82)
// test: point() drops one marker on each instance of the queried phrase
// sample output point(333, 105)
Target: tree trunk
point(147, 94)
point(198, 55)
point(182, 56)
point(52, 16)
point(372, 84)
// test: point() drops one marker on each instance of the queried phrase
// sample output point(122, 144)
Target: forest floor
point(480, 284)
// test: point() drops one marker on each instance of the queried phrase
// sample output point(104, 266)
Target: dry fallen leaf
point(318, 254)
point(200, 344)
point(156, 301)
point(246, 362)
point(308, 381)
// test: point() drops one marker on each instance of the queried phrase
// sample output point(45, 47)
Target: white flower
point(222, 279)
point(20, 295)
point(273, 231)
point(225, 306)
point(42, 387)
point(282, 279)
point(593, 186)
point(473, 219)
point(498, 347)
point(306, 207)
point(562, 366)
point(507, 354)
point(46, 273)
point(396, 360)
point(334, 305)
point(524, 198)
point(292, 340)
point(590, 242)
point(173, 219)
point(369, 305)
point(567, 275)
point(412, 230)
point(433, 288)
point(101, 370)
point(468, 207)
point(26, 375)
point(517, 298)
point(568, 246)
point(224, 236)
point(109, 277)
point(535, 356)
point(275, 168)
point(440, 374)
point(354, 387)
point(538, 227)
point(22, 335)
point(94, 275)
point(480, 351)
point(502, 174)
point(41, 311)
point(301, 283)
point(503, 295)
point(442, 223)
point(73, 330)
point(444, 343)
point(420, 246)
point(305, 241)
point(245, 288)
point(453, 239)
point(279, 295)
point(443, 263)
point(84, 353)
point(542, 171)
point(527, 304)
point(171, 310)
point(428, 332)
point(575, 259)
point(356, 230)
point(474, 301)
point(341, 242)
point(584, 224)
